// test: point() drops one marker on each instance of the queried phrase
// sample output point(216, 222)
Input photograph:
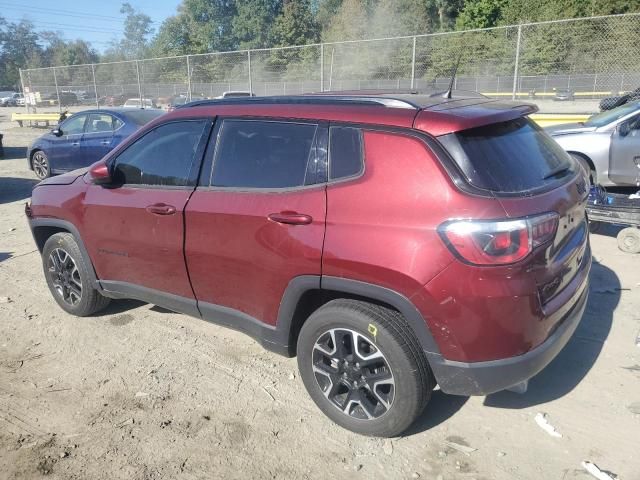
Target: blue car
point(84, 138)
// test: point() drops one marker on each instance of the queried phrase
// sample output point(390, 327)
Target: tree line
point(202, 26)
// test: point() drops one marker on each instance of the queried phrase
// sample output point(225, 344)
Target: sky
point(95, 21)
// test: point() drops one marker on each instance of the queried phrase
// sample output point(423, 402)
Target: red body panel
point(129, 244)
point(239, 258)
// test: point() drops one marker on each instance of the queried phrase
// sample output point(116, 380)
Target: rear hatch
point(520, 165)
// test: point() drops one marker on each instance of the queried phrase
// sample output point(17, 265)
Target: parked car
point(236, 93)
point(563, 95)
point(139, 103)
point(607, 144)
point(392, 242)
point(7, 98)
point(180, 100)
point(614, 101)
point(115, 100)
point(84, 138)
point(66, 99)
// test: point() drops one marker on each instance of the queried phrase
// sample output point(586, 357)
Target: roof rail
point(308, 100)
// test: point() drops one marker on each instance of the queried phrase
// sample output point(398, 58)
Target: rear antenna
point(448, 93)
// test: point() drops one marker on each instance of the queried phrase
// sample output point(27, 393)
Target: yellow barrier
point(548, 119)
point(35, 117)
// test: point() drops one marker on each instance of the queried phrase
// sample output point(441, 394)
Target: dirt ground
point(141, 393)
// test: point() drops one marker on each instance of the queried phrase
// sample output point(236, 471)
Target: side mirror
point(624, 128)
point(98, 173)
point(57, 132)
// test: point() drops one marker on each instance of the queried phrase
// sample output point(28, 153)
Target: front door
point(257, 219)
point(64, 151)
point(624, 163)
point(134, 228)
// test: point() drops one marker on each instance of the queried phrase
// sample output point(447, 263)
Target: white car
point(8, 99)
point(136, 103)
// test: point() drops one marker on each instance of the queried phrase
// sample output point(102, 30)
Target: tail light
point(498, 242)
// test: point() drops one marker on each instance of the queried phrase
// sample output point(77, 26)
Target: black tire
point(629, 240)
point(69, 279)
point(40, 164)
point(385, 335)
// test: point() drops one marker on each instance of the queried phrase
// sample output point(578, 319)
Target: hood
point(566, 128)
point(65, 179)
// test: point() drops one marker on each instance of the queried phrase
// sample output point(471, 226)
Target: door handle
point(75, 144)
point(105, 143)
point(291, 218)
point(161, 209)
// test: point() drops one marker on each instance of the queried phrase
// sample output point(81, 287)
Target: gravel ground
point(141, 393)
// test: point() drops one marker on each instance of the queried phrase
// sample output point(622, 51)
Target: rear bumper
point(483, 378)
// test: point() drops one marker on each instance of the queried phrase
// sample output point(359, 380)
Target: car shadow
point(440, 408)
point(607, 229)
point(14, 153)
point(5, 256)
point(573, 363)
point(13, 189)
point(118, 306)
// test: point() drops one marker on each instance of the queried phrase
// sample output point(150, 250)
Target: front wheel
point(363, 367)
point(40, 164)
point(68, 277)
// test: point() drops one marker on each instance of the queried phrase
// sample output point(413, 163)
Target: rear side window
point(99, 123)
point(345, 152)
point(166, 156)
point(262, 154)
point(511, 157)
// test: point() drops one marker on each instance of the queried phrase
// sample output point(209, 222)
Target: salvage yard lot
point(137, 392)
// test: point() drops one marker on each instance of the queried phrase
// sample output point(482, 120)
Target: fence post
point(55, 81)
point(322, 67)
point(249, 64)
point(26, 105)
point(331, 69)
point(139, 84)
point(95, 86)
point(517, 65)
point(413, 65)
point(188, 78)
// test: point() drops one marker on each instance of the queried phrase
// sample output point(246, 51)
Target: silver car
point(607, 144)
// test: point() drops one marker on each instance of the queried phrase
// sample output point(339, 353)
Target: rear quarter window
point(510, 157)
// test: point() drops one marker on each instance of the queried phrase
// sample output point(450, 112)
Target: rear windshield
point(511, 157)
point(140, 117)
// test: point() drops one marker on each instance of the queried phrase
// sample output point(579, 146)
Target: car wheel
point(363, 367)
point(40, 164)
point(68, 277)
point(629, 240)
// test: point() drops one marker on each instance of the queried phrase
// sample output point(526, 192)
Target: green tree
point(295, 25)
point(253, 21)
point(137, 32)
point(19, 47)
point(59, 51)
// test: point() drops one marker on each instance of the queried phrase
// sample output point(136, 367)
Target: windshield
point(608, 116)
point(510, 157)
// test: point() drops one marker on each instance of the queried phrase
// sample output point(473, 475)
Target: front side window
point(166, 156)
point(99, 122)
point(262, 154)
point(74, 125)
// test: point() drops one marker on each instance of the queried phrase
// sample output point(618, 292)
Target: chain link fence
point(583, 58)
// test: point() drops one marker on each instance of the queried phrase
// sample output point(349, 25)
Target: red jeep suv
point(391, 242)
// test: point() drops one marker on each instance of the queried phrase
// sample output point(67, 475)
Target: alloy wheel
point(40, 164)
point(353, 374)
point(65, 276)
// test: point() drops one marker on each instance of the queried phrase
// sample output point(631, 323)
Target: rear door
point(624, 162)
point(134, 228)
point(257, 219)
point(98, 138)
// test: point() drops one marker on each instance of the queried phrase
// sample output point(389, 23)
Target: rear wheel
point(363, 367)
point(629, 240)
point(68, 277)
point(40, 164)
